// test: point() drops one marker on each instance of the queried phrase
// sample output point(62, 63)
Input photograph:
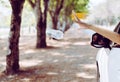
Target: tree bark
point(12, 58)
point(41, 19)
point(55, 14)
point(55, 21)
point(41, 26)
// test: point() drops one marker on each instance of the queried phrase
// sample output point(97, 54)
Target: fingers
point(77, 20)
point(75, 16)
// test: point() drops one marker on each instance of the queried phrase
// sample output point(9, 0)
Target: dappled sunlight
point(4, 48)
point(92, 58)
point(65, 43)
point(26, 79)
point(68, 60)
point(3, 63)
point(62, 44)
point(52, 73)
point(84, 75)
point(66, 47)
point(22, 44)
point(89, 66)
point(56, 54)
point(29, 63)
point(29, 51)
point(77, 56)
point(81, 43)
point(2, 66)
point(55, 60)
point(25, 47)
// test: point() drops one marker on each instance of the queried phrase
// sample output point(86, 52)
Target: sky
point(96, 2)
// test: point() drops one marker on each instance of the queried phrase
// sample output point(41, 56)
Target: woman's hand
point(77, 20)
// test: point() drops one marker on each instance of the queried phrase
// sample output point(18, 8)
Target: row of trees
point(56, 8)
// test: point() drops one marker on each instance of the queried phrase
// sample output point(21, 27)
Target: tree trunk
point(41, 34)
point(55, 21)
point(55, 14)
point(12, 58)
point(41, 21)
point(41, 26)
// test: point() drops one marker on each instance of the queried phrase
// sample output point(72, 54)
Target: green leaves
point(81, 5)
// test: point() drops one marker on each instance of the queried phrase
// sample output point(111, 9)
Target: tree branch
point(51, 12)
point(32, 4)
point(60, 7)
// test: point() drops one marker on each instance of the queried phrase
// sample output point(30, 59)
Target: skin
point(113, 36)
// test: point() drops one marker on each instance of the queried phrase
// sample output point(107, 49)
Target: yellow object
point(79, 15)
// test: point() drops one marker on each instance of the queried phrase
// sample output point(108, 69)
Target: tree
point(54, 10)
point(65, 16)
point(12, 58)
point(80, 5)
point(60, 10)
point(41, 20)
point(77, 5)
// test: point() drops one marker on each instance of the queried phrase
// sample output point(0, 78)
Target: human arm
point(113, 36)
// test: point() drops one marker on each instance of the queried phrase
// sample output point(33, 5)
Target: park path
point(68, 60)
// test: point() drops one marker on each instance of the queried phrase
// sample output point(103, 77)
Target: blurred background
point(68, 57)
point(104, 13)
